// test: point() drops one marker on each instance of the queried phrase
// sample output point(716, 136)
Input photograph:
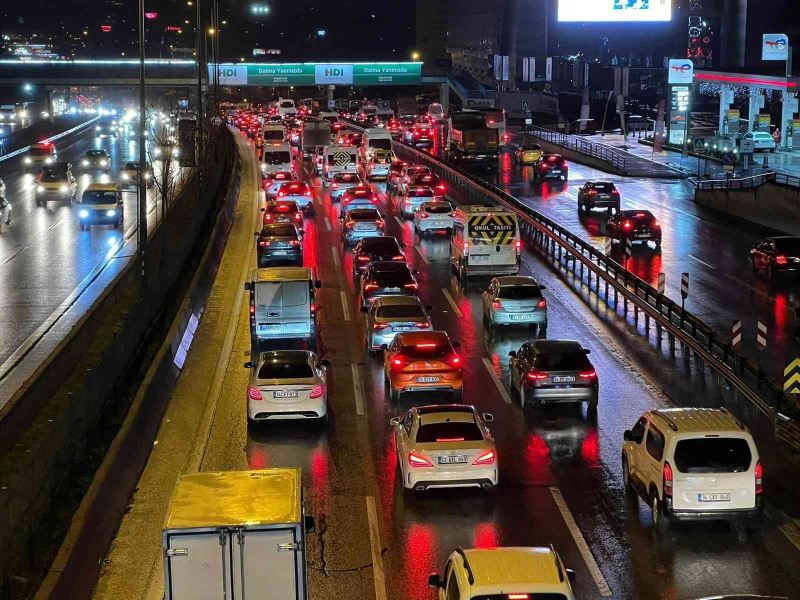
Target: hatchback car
point(430, 180)
point(432, 217)
point(279, 244)
point(101, 204)
point(550, 166)
point(343, 182)
point(422, 362)
point(527, 154)
point(386, 278)
point(272, 182)
point(129, 174)
point(56, 182)
point(395, 172)
point(96, 160)
point(374, 249)
point(287, 384)
point(693, 464)
point(515, 300)
point(408, 173)
point(360, 223)
point(776, 256)
point(553, 372)
point(390, 315)
point(445, 446)
point(420, 135)
point(638, 226)
point(414, 197)
point(297, 191)
point(357, 197)
point(598, 194)
point(283, 211)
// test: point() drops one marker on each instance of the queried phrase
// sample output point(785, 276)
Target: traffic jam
point(444, 293)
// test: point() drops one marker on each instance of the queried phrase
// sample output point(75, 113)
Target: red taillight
point(466, 247)
point(363, 258)
point(294, 242)
point(542, 303)
point(334, 185)
point(269, 218)
point(254, 393)
point(398, 362)
point(441, 188)
point(518, 246)
point(655, 224)
point(264, 243)
point(497, 305)
point(588, 374)
point(627, 225)
point(454, 360)
point(298, 216)
point(380, 223)
point(423, 215)
point(667, 479)
point(316, 392)
point(418, 460)
point(487, 458)
point(252, 308)
point(307, 193)
point(281, 194)
point(536, 375)
point(422, 325)
point(398, 257)
point(781, 260)
point(374, 198)
point(370, 287)
point(759, 478)
point(380, 326)
point(411, 286)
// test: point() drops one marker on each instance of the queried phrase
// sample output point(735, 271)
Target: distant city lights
point(259, 9)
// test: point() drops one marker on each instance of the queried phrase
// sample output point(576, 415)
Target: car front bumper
point(100, 217)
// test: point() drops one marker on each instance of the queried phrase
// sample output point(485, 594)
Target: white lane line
point(327, 224)
point(422, 255)
point(452, 302)
point(10, 258)
point(580, 542)
point(56, 224)
point(375, 546)
point(788, 526)
point(400, 222)
point(702, 262)
point(335, 256)
point(664, 206)
point(499, 384)
point(358, 392)
point(345, 305)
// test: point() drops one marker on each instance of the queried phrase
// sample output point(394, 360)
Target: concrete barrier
point(59, 419)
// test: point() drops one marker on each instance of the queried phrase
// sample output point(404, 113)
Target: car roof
point(510, 280)
point(283, 274)
point(504, 566)
point(269, 227)
point(397, 301)
point(285, 356)
point(389, 266)
point(697, 420)
point(553, 346)
point(411, 338)
point(101, 187)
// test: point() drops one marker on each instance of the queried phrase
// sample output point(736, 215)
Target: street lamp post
point(142, 195)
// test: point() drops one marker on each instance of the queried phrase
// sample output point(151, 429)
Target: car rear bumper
point(379, 171)
point(426, 479)
point(502, 317)
point(507, 269)
point(714, 515)
point(264, 410)
point(352, 236)
point(554, 395)
point(269, 258)
point(412, 385)
point(424, 226)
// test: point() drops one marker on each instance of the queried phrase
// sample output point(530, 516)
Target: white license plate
point(402, 328)
point(279, 252)
point(392, 290)
point(715, 497)
point(478, 258)
point(452, 460)
point(564, 379)
point(269, 328)
point(520, 317)
point(556, 171)
point(427, 379)
point(439, 224)
point(285, 394)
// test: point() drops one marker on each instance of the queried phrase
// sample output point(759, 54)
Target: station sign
point(680, 71)
point(775, 46)
point(300, 74)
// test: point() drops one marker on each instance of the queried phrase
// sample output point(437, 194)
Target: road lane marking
point(345, 305)
point(499, 384)
point(335, 256)
point(327, 224)
point(400, 222)
point(358, 392)
point(376, 549)
point(452, 302)
point(702, 262)
point(580, 542)
point(11, 257)
point(422, 255)
point(56, 224)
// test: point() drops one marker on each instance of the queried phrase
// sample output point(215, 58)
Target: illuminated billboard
point(620, 11)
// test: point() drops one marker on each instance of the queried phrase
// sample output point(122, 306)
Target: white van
point(376, 152)
point(338, 158)
point(276, 157)
point(283, 304)
point(286, 107)
point(274, 133)
point(486, 241)
point(436, 112)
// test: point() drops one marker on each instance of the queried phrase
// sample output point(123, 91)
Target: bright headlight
point(28, 160)
point(146, 176)
point(111, 212)
point(83, 213)
point(104, 163)
point(97, 128)
point(85, 163)
point(125, 177)
point(40, 188)
point(64, 188)
point(48, 161)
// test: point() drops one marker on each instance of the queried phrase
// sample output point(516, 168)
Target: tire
point(394, 395)
point(753, 264)
point(770, 273)
point(523, 401)
point(657, 514)
point(626, 479)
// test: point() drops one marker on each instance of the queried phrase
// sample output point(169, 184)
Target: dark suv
point(598, 194)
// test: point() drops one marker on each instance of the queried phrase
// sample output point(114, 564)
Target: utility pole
point(200, 141)
point(142, 195)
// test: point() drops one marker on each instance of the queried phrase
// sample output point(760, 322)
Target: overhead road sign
point(280, 74)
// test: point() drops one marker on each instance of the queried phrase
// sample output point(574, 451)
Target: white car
point(299, 191)
point(273, 182)
point(434, 216)
point(445, 446)
point(287, 384)
point(412, 198)
point(342, 182)
point(515, 300)
point(129, 174)
point(761, 140)
point(693, 464)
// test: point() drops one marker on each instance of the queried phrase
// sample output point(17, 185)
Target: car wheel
point(394, 395)
point(770, 273)
point(523, 401)
point(658, 244)
point(657, 514)
point(541, 330)
point(626, 478)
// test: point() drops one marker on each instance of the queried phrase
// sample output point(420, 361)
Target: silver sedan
point(515, 300)
point(389, 315)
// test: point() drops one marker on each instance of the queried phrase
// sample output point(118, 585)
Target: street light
point(415, 56)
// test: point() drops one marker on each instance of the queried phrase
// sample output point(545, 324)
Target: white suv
point(693, 464)
point(504, 573)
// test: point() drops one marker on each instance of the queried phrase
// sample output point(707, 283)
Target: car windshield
point(381, 144)
point(452, 431)
point(380, 245)
point(280, 157)
point(39, 151)
point(400, 311)
point(438, 209)
point(286, 293)
point(562, 361)
point(52, 176)
point(712, 455)
point(287, 104)
point(97, 197)
point(95, 153)
point(528, 596)
point(364, 215)
point(286, 370)
point(790, 246)
point(519, 292)
point(279, 230)
point(426, 349)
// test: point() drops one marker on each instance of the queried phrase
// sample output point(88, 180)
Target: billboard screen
point(620, 11)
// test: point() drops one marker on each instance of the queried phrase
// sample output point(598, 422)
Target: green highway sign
point(274, 74)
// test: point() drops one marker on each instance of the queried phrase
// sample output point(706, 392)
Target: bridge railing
point(612, 156)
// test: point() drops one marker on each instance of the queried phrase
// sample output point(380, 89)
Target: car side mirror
point(542, 287)
point(247, 286)
point(317, 284)
point(384, 347)
point(248, 365)
point(435, 581)
point(570, 576)
point(627, 435)
point(456, 344)
point(513, 354)
point(257, 233)
point(263, 210)
point(394, 421)
point(488, 417)
point(325, 362)
point(587, 351)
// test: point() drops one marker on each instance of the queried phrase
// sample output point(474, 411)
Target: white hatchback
point(761, 140)
point(434, 216)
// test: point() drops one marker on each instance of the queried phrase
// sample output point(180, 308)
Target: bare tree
point(169, 177)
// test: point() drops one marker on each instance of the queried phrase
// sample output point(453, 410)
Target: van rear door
point(282, 309)
point(492, 241)
point(265, 566)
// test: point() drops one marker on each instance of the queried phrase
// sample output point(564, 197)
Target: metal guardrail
point(733, 183)
point(784, 179)
point(58, 136)
point(612, 156)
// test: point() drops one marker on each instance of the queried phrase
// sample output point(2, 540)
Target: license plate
point(478, 258)
point(520, 317)
point(279, 252)
point(715, 497)
point(564, 379)
point(285, 394)
point(452, 460)
point(427, 379)
point(556, 171)
point(392, 290)
point(402, 328)
point(269, 328)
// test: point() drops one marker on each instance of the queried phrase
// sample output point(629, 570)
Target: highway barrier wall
point(58, 416)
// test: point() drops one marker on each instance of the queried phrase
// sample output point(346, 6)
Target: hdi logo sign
point(230, 74)
point(333, 74)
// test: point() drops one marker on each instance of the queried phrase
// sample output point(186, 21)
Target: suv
point(504, 573)
point(598, 194)
point(693, 464)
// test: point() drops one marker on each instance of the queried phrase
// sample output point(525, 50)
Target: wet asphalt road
point(43, 254)
point(556, 466)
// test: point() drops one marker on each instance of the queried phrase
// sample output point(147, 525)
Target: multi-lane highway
point(560, 472)
point(44, 256)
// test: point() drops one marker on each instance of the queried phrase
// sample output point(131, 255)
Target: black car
point(279, 244)
point(373, 249)
point(96, 160)
point(775, 256)
point(550, 166)
point(634, 225)
point(387, 278)
point(598, 194)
